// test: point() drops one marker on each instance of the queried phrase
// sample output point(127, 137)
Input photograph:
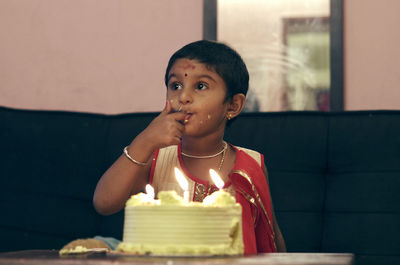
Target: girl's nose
point(185, 96)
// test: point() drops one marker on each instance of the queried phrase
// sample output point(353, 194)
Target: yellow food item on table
point(81, 246)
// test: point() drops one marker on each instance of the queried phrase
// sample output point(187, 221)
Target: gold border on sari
point(247, 177)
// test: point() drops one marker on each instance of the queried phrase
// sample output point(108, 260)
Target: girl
point(206, 84)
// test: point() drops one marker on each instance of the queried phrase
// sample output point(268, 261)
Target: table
point(43, 257)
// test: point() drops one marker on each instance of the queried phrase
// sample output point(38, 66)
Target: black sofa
point(334, 177)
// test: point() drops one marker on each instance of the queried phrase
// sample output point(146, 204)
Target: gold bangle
point(133, 160)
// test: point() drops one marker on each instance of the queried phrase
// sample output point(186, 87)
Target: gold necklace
point(222, 159)
point(209, 156)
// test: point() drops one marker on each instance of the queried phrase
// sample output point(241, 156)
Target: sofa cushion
point(45, 220)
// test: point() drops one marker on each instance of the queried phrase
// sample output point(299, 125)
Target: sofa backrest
point(334, 177)
point(362, 202)
point(50, 164)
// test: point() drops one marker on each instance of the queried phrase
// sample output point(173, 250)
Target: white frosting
point(172, 226)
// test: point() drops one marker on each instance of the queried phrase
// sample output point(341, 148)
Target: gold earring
point(229, 116)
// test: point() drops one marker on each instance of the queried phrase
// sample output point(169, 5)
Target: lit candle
point(183, 183)
point(219, 196)
point(217, 179)
point(150, 192)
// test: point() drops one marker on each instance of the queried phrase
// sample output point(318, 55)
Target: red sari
point(249, 185)
point(252, 193)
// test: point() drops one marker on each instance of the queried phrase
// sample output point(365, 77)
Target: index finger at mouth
point(179, 116)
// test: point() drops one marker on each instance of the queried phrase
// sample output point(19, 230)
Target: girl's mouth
point(187, 117)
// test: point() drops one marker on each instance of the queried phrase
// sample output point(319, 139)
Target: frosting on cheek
point(201, 122)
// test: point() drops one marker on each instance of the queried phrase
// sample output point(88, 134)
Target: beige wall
point(109, 56)
point(372, 54)
point(91, 55)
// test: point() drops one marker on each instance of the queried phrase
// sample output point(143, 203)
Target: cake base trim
point(176, 250)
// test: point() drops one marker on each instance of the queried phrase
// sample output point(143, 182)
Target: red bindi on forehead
point(187, 66)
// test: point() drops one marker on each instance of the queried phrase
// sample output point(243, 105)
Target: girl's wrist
point(126, 153)
point(140, 149)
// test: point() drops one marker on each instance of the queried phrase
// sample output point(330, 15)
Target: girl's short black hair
point(219, 57)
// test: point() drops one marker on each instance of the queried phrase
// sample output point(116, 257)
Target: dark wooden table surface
point(36, 257)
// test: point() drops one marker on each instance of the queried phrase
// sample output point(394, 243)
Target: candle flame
point(150, 191)
point(217, 179)
point(181, 179)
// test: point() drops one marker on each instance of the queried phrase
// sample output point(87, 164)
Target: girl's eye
point(175, 86)
point(201, 86)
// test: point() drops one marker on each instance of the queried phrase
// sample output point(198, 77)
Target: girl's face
point(200, 93)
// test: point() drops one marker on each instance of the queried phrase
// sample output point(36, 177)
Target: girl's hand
point(126, 177)
point(166, 129)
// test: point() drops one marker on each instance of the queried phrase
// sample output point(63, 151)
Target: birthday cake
point(171, 226)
